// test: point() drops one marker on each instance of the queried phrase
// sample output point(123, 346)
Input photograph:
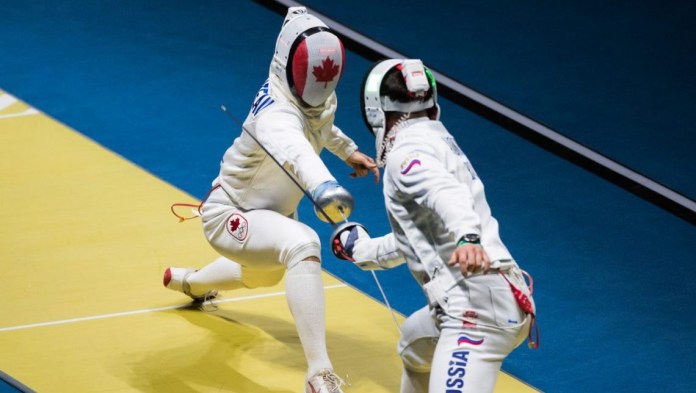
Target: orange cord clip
point(198, 206)
point(182, 218)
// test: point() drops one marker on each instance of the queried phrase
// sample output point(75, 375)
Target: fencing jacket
point(295, 136)
point(433, 197)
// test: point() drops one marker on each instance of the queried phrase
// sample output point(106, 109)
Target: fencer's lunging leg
point(305, 295)
point(419, 336)
point(221, 274)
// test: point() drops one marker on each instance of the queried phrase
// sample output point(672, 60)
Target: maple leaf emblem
point(326, 72)
point(234, 224)
point(237, 226)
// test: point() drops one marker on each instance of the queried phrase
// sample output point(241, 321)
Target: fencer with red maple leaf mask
point(250, 215)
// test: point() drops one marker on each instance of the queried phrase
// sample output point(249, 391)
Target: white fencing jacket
point(433, 197)
point(295, 136)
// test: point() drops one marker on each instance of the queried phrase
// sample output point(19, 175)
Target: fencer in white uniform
point(250, 216)
point(480, 305)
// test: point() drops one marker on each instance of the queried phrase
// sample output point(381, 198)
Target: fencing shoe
point(325, 381)
point(175, 279)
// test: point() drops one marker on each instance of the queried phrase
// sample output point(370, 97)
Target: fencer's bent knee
point(419, 336)
point(417, 356)
point(306, 247)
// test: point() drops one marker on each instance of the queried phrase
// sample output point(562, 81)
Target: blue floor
point(146, 79)
point(617, 76)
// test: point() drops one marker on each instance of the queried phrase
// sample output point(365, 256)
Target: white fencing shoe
point(325, 381)
point(175, 279)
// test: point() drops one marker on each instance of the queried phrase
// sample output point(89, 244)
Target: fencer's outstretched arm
point(337, 142)
point(351, 242)
point(284, 137)
point(378, 253)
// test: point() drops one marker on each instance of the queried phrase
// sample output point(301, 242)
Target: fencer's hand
point(470, 258)
point(344, 237)
point(362, 165)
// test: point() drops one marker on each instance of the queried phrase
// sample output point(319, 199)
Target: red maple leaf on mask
point(326, 72)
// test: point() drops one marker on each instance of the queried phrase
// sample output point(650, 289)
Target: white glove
point(344, 237)
point(351, 242)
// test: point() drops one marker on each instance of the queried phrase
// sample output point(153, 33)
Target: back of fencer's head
point(394, 87)
point(411, 88)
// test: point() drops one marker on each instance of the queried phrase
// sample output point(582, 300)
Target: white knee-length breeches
point(481, 326)
point(258, 239)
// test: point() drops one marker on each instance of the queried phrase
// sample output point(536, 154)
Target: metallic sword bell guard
point(337, 203)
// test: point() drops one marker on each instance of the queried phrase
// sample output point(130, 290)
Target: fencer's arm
point(377, 253)
point(338, 142)
point(281, 131)
point(343, 147)
point(351, 242)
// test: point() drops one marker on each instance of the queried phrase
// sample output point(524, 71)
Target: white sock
point(305, 295)
point(221, 274)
